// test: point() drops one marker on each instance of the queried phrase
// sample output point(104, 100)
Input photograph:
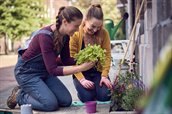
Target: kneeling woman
point(92, 84)
point(37, 68)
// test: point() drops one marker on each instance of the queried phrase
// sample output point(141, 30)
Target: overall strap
point(42, 32)
point(26, 45)
point(36, 33)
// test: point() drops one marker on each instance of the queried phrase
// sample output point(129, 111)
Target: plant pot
point(90, 106)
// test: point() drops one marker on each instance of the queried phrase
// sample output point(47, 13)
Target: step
point(77, 107)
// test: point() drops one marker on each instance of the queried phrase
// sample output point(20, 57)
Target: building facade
point(155, 22)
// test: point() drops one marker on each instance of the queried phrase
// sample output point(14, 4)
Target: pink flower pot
point(90, 106)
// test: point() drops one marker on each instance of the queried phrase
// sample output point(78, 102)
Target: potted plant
point(127, 88)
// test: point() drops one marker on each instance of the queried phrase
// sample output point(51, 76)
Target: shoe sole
point(12, 98)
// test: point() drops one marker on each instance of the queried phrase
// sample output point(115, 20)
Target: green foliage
point(91, 53)
point(110, 10)
point(82, 3)
point(20, 17)
point(127, 88)
point(130, 97)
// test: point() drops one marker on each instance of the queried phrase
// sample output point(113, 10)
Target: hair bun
point(96, 5)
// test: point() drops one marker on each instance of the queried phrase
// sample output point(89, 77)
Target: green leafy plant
point(91, 53)
point(127, 88)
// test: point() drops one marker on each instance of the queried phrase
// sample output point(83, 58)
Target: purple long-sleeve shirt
point(43, 43)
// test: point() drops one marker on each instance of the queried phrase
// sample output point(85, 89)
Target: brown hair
point(95, 11)
point(69, 13)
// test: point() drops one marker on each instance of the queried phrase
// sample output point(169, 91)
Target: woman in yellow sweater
point(92, 84)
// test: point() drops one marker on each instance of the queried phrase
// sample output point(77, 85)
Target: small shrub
point(127, 88)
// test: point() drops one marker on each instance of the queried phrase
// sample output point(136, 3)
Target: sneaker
point(11, 101)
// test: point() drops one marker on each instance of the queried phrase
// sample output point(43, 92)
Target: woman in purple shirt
point(37, 68)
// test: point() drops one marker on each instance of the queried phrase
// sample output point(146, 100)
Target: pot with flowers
point(127, 88)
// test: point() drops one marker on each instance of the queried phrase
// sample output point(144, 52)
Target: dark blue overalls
point(43, 91)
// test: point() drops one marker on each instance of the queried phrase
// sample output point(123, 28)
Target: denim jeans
point(98, 93)
point(43, 91)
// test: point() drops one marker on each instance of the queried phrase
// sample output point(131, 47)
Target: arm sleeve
point(106, 45)
point(48, 54)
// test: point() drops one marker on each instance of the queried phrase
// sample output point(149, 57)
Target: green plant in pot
point(127, 88)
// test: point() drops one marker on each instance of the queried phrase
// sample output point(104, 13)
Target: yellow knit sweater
point(76, 44)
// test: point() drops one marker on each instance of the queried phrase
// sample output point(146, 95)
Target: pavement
point(7, 82)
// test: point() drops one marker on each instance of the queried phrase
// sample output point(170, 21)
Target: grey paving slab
point(101, 109)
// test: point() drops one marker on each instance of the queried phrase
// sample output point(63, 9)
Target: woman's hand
point(86, 83)
point(87, 65)
point(106, 81)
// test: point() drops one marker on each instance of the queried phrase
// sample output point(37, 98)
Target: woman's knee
point(86, 97)
point(103, 95)
point(103, 98)
point(50, 106)
point(66, 102)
